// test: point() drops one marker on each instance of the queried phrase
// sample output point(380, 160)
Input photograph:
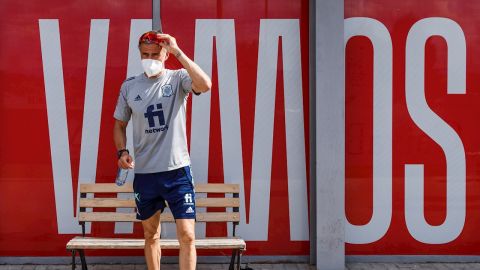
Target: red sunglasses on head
point(149, 38)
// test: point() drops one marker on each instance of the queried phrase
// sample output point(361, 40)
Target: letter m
point(270, 32)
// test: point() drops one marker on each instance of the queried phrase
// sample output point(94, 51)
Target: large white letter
point(205, 30)
point(436, 129)
point(382, 130)
point(57, 116)
point(270, 31)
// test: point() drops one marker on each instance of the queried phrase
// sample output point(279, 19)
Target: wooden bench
point(102, 212)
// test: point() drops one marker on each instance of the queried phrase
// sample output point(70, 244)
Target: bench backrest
point(102, 198)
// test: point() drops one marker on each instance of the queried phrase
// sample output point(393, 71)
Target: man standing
point(156, 102)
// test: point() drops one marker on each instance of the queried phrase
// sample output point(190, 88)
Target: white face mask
point(152, 67)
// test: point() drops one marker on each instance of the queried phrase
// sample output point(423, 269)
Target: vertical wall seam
point(156, 17)
point(312, 132)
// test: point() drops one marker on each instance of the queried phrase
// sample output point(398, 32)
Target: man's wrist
point(178, 54)
point(121, 152)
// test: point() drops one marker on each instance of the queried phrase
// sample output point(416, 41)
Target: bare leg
point(151, 231)
point(186, 237)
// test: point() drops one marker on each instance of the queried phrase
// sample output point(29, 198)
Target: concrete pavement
point(289, 266)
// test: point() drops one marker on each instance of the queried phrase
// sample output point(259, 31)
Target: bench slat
point(123, 243)
point(107, 202)
point(106, 188)
point(128, 188)
point(166, 217)
point(217, 188)
point(130, 203)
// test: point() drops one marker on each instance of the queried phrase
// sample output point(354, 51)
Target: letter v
point(57, 115)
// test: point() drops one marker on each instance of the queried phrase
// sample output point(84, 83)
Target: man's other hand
point(126, 161)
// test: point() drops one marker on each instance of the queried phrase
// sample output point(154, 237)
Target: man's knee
point(151, 227)
point(186, 238)
point(151, 232)
point(151, 235)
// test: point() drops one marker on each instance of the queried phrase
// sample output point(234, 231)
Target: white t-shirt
point(157, 108)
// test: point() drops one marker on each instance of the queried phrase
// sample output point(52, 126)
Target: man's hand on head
point(170, 43)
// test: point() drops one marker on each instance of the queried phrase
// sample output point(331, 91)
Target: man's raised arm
point(201, 82)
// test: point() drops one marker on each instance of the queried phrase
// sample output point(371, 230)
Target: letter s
point(437, 129)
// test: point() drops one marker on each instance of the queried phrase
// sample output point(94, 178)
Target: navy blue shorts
point(175, 187)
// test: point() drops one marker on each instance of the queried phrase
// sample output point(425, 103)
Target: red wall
point(412, 142)
point(27, 194)
point(432, 124)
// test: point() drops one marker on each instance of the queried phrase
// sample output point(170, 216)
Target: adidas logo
point(189, 210)
point(138, 98)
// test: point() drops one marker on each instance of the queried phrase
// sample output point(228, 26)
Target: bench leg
point(239, 255)
point(73, 259)
point(82, 258)
point(232, 260)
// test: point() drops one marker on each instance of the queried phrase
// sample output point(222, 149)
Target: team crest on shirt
point(167, 90)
